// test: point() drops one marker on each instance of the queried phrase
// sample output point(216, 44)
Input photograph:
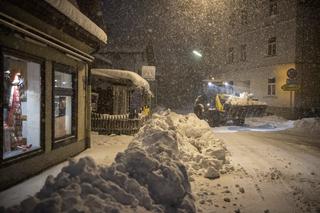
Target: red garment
point(14, 106)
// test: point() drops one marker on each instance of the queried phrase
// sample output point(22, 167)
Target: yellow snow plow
point(219, 104)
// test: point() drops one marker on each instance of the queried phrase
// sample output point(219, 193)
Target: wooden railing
point(116, 124)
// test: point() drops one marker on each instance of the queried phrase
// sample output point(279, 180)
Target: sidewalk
point(103, 151)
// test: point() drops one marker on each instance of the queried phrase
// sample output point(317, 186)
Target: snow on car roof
point(67, 9)
point(136, 79)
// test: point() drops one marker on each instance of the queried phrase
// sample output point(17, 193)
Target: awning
point(136, 79)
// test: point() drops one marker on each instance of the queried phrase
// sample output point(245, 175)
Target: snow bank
point(307, 125)
point(152, 175)
point(135, 182)
point(272, 121)
point(188, 139)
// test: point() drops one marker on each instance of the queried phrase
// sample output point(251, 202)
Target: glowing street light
point(197, 53)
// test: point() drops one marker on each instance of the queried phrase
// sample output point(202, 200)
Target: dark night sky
point(175, 28)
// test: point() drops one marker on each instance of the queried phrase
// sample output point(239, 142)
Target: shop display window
point(21, 108)
point(64, 102)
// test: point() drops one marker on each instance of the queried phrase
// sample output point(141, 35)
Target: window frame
point(272, 46)
point(73, 92)
point(41, 61)
point(271, 87)
point(273, 7)
point(244, 17)
point(243, 52)
point(232, 19)
point(230, 55)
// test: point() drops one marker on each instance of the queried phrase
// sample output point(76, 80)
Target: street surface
point(273, 172)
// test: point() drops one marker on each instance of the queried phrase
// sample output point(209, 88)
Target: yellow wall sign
point(290, 87)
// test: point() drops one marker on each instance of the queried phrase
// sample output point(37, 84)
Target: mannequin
point(14, 120)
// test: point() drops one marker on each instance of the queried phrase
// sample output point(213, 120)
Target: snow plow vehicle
point(219, 103)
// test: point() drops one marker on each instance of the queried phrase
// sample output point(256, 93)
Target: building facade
point(261, 41)
point(45, 94)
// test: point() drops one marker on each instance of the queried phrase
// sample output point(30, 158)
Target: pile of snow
point(243, 100)
point(271, 121)
point(135, 182)
point(258, 124)
point(307, 125)
point(188, 139)
point(151, 175)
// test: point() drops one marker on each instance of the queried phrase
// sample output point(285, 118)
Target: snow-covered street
point(276, 168)
point(274, 172)
point(177, 162)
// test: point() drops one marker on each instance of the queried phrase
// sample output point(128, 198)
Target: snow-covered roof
point(136, 79)
point(69, 10)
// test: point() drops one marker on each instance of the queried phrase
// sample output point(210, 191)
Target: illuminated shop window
point(21, 108)
point(64, 102)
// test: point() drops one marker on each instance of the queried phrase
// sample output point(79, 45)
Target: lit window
point(272, 86)
point(64, 102)
point(21, 108)
point(273, 7)
point(272, 46)
point(243, 52)
point(230, 55)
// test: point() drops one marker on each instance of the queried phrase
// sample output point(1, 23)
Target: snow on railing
point(116, 124)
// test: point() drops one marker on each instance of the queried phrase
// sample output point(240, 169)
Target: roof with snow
point(136, 79)
point(70, 11)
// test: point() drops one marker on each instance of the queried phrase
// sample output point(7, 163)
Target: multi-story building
point(261, 41)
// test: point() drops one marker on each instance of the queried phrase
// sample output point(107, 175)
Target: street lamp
point(197, 53)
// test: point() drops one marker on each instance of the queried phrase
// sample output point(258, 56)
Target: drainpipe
point(88, 105)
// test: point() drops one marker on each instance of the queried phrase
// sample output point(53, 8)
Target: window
point(272, 86)
point(244, 17)
point(64, 102)
point(232, 19)
point(243, 52)
point(230, 55)
point(272, 46)
point(21, 108)
point(273, 7)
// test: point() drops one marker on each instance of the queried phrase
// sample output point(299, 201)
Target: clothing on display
point(13, 113)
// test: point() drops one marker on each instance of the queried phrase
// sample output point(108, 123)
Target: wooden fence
point(116, 124)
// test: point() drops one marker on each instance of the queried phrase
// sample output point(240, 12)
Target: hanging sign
point(148, 73)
